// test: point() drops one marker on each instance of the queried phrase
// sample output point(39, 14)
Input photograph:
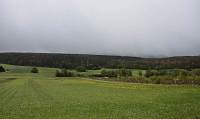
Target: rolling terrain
point(25, 95)
point(95, 61)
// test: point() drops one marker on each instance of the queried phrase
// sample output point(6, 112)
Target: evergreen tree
point(2, 69)
point(34, 70)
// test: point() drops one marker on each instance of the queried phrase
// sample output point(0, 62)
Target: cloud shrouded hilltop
point(114, 27)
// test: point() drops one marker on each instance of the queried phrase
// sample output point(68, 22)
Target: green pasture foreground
point(43, 96)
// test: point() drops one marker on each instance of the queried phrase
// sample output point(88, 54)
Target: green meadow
point(25, 95)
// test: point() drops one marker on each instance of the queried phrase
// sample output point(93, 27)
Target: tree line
point(71, 61)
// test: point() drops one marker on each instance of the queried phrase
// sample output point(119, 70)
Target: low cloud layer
point(114, 27)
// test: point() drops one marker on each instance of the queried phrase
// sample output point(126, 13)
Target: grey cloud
point(128, 27)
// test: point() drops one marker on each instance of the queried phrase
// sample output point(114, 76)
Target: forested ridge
point(94, 61)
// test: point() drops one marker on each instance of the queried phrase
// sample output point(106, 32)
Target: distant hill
point(94, 61)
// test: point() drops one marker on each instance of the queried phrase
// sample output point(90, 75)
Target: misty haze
point(99, 59)
point(114, 27)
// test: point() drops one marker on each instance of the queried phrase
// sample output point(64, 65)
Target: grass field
point(24, 95)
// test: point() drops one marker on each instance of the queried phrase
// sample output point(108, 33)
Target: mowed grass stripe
point(26, 100)
point(9, 89)
point(80, 101)
point(7, 92)
point(43, 96)
point(13, 110)
point(7, 96)
point(39, 90)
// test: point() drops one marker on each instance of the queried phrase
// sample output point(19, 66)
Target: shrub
point(34, 70)
point(149, 73)
point(196, 72)
point(96, 75)
point(93, 67)
point(2, 69)
point(116, 73)
point(124, 72)
point(109, 73)
point(172, 72)
point(80, 69)
point(64, 73)
point(162, 72)
point(178, 72)
point(59, 73)
point(183, 72)
point(140, 73)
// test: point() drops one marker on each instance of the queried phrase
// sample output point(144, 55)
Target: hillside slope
point(91, 61)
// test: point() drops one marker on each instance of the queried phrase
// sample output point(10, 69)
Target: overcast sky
point(114, 27)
